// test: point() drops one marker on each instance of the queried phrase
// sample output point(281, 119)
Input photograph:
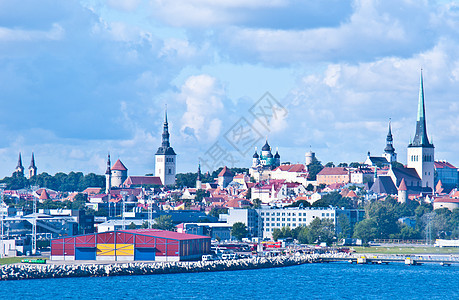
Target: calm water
point(316, 281)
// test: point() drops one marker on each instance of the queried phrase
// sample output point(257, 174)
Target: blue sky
point(79, 79)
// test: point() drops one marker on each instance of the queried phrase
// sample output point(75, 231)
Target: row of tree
point(71, 182)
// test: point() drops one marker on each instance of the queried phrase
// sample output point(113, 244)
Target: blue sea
point(309, 281)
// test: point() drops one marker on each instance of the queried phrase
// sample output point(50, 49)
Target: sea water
point(308, 281)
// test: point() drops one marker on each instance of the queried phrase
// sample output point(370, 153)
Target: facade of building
point(225, 177)
point(447, 174)
point(131, 245)
point(276, 218)
point(165, 158)
point(333, 175)
point(420, 152)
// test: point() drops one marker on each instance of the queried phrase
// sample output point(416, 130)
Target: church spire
point(109, 170)
point(19, 166)
point(389, 141)
point(165, 135)
point(32, 161)
point(420, 137)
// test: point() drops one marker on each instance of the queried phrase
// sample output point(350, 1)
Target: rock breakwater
point(29, 271)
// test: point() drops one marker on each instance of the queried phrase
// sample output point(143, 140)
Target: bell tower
point(420, 151)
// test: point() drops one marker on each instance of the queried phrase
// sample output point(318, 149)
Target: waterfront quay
point(386, 259)
point(66, 269)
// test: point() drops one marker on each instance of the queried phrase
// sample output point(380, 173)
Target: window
point(299, 219)
point(262, 213)
point(283, 219)
point(283, 214)
point(294, 219)
point(170, 171)
point(278, 219)
point(323, 214)
point(288, 219)
point(293, 225)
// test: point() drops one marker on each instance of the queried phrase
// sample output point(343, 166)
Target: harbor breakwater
point(30, 271)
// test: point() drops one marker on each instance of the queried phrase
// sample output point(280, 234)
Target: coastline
point(31, 271)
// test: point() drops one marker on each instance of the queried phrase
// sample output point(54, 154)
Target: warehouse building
point(131, 245)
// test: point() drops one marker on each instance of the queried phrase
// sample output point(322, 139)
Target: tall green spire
point(420, 138)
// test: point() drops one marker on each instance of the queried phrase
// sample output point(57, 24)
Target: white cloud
point(56, 32)
point(203, 97)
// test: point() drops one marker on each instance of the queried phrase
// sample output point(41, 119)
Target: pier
point(386, 259)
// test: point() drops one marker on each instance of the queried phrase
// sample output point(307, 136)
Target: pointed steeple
point(32, 162)
point(199, 172)
point(389, 141)
point(109, 170)
point(420, 137)
point(165, 135)
point(19, 166)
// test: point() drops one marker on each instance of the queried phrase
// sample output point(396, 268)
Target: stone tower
point(32, 167)
point(165, 158)
point(119, 174)
point(420, 152)
point(389, 151)
point(402, 192)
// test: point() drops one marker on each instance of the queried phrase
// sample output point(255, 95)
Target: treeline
point(189, 179)
point(71, 182)
point(382, 221)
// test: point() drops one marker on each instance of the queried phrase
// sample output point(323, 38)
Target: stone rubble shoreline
point(31, 271)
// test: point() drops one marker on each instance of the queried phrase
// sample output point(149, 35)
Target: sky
point(79, 79)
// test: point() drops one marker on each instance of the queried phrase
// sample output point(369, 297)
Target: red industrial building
point(131, 245)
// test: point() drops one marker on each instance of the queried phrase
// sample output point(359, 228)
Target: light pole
point(150, 211)
point(124, 209)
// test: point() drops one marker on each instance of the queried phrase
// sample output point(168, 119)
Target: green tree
point(345, 227)
point(239, 230)
point(200, 194)
point(303, 235)
point(366, 230)
point(256, 203)
point(79, 201)
point(330, 164)
point(215, 211)
point(164, 222)
point(321, 230)
point(277, 234)
point(132, 226)
point(314, 168)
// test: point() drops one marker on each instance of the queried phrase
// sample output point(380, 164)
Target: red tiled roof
point(142, 180)
point(443, 164)
point(292, 168)
point(44, 195)
point(92, 190)
point(118, 166)
point(333, 171)
point(225, 172)
point(447, 200)
point(351, 194)
point(402, 186)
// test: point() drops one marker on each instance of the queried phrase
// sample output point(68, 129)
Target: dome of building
point(266, 147)
point(255, 155)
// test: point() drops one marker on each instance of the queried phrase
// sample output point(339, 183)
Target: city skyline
point(83, 78)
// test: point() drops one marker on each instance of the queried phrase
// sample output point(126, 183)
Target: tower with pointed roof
point(389, 151)
point(19, 168)
point(108, 176)
point(420, 152)
point(32, 167)
point(165, 158)
point(198, 178)
point(118, 174)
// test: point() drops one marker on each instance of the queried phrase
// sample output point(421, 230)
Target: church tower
point(32, 167)
point(198, 178)
point(108, 176)
point(19, 168)
point(165, 162)
point(420, 151)
point(389, 151)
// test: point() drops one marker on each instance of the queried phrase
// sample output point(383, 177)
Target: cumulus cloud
point(203, 97)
